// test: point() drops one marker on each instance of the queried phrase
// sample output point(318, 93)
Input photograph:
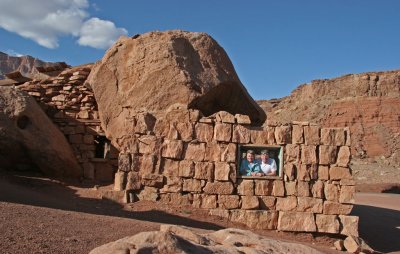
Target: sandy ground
point(41, 215)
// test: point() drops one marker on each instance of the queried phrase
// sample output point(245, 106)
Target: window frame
point(257, 147)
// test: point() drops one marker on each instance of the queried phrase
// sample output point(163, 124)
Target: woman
point(249, 166)
point(267, 165)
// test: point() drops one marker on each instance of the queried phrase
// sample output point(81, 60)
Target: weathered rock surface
point(28, 137)
point(176, 239)
point(157, 71)
point(367, 103)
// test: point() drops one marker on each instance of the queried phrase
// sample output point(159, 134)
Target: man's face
point(264, 157)
point(250, 157)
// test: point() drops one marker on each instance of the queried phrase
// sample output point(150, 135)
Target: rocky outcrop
point(176, 239)
point(159, 70)
point(29, 139)
point(23, 64)
point(367, 103)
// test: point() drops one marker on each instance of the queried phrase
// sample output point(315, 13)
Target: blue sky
point(274, 45)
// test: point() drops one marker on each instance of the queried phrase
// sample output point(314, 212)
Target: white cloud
point(45, 21)
point(12, 52)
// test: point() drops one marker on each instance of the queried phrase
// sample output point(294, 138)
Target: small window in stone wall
point(103, 145)
point(256, 161)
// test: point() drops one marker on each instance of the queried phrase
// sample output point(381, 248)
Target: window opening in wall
point(257, 161)
point(103, 146)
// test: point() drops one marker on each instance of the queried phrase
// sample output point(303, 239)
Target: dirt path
point(40, 215)
point(379, 220)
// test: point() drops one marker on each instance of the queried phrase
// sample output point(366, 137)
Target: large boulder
point(156, 70)
point(29, 139)
point(177, 239)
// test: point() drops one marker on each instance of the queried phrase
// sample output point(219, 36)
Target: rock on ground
point(159, 70)
point(28, 137)
point(178, 239)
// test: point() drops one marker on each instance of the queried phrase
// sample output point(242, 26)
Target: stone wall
point(71, 105)
point(182, 158)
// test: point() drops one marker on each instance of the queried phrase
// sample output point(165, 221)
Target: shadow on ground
point(41, 192)
point(379, 227)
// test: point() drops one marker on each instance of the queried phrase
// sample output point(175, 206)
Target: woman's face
point(250, 157)
point(264, 157)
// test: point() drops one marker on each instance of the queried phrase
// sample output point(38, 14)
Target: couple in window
point(266, 166)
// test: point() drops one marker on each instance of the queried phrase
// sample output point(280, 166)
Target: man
point(267, 165)
point(249, 167)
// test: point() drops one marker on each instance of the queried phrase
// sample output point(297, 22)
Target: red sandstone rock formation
point(368, 103)
point(24, 64)
point(154, 71)
point(28, 138)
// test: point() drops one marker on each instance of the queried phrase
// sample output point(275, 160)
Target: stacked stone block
point(185, 159)
point(72, 106)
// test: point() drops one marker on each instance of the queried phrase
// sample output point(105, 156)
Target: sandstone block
point(347, 194)
point(349, 182)
point(221, 171)
point(152, 180)
point(323, 172)
point(327, 223)
point(249, 202)
point(224, 117)
point(303, 172)
point(286, 203)
point(333, 136)
point(331, 192)
point(278, 189)
point(311, 135)
point(170, 167)
point(88, 170)
point(228, 201)
point(172, 149)
point(147, 163)
point(172, 184)
point(223, 132)
point(263, 187)
point(194, 115)
point(144, 122)
point(148, 193)
point(327, 154)
point(204, 132)
point(195, 151)
point(317, 189)
point(336, 208)
point(259, 137)
point(219, 213)
point(177, 199)
point(238, 216)
point(295, 221)
point(88, 139)
point(119, 181)
point(75, 138)
point(266, 220)
point(303, 189)
point(228, 153)
point(213, 152)
point(283, 135)
point(242, 119)
point(308, 204)
point(267, 202)
point(186, 168)
point(308, 154)
point(185, 130)
point(204, 170)
point(205, 201)
point(352, 244)
point(297, 134)
point(338, 173)
point(192, 185)
point(292, 153)
point(271, 135)
point(241, 134)
point(245, 187)
point(149, 144)
point(343, 157)
point(339, 245)
point(222, 188)
point(124, 162)
point(290, 171)
point(133, 181)
point(291, 188)
point(348, 225)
